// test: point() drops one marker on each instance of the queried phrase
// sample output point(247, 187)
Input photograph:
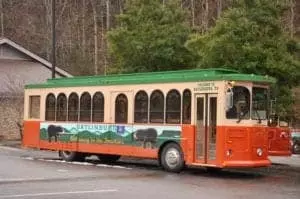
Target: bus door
point(206, 123)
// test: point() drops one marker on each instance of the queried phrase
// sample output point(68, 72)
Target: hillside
point(81, 37)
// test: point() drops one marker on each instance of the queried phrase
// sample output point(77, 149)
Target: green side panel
point(131, 135)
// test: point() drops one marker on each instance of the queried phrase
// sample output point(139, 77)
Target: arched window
point(98, 107)
point(157, 107)
point(73, 103)
point(141, 107)
point(173, 107)
point(50, 107)
point(186, 106)
point(85, 107)
point(121, 109)
point(61, 107)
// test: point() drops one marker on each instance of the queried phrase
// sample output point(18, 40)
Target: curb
point(15, 144)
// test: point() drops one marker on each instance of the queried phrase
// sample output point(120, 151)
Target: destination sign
point(206, 86)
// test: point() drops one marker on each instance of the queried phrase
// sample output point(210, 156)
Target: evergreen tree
point(150, 37)
point(249, 38)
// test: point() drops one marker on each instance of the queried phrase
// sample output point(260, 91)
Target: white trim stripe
point(58, 193)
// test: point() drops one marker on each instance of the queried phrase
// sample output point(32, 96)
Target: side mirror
point(229, 99)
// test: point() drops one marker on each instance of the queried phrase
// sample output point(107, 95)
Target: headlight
point(229, 152)
point(259, 152)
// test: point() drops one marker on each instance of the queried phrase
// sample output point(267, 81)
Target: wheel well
point(162, 147)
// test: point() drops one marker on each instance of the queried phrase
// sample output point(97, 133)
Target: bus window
point(157, 107)
point(50, 107)
point(85, 107)
point(186, 107)
point(259, 103)
point(241, 104)
point(98, 107)
point(141, 107)
point(173, 105)
point(121, 109)
point(34, 107)
point(73, 107)
point(61, 107)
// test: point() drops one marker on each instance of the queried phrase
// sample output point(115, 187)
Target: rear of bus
point(279, 136)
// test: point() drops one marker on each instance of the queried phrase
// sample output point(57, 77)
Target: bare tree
point(205, 19)
point(2, 18)
point(83, 10)
point(292, 18)
point(48, 16)
point(219, 7)
point(193, 12)
point(94, 8)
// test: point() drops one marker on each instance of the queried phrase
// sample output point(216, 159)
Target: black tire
point(172, 150)
point(70, 156)
point(296, 148)
point(106, 158)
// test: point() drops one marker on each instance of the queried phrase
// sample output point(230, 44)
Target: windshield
point(260, 103)
point(241, 104)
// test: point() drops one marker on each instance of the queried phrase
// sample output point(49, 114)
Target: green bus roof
point(193, 75)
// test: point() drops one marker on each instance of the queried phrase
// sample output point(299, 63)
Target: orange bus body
point(236, 147)
point(279, 141)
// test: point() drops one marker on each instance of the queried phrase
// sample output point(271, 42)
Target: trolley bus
point(279, 137)
point(216, 118)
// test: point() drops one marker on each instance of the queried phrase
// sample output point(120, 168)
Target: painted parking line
point(58, 193)
point(79, 163)
point(10, 148)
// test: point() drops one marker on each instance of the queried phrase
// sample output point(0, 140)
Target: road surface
point(40, 174)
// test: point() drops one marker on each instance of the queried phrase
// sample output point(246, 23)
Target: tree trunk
point(2, 18)
point(219, 7)
point(292, 18)
point(95, 37)
point(48, 16)
point(193, 12)
point(206, 12)
point(83, 29)
point(104, 35)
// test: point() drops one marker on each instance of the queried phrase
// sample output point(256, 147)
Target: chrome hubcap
point(172, 157)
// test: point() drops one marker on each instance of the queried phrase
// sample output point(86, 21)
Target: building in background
point(18, 67)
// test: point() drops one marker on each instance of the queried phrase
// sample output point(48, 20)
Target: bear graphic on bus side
point(147, 136)
point(54, 131)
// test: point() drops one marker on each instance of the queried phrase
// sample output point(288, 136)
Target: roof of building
point(34, 56)
point(193, 75)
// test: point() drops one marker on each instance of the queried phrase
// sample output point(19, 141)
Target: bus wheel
point(172, 158)
point(71, 156)
point(108, 158)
